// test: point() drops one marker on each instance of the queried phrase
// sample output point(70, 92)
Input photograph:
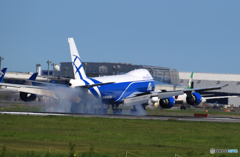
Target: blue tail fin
point(2, 74)
point(32, 78)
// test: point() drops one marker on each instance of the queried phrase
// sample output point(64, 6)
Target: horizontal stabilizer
point(98, 84)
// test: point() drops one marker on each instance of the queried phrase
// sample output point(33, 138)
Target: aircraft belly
point(136, 100)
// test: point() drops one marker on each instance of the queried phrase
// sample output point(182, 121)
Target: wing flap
point(136, 98)
point(220, 97)
point(162, 95)
point(98, 84)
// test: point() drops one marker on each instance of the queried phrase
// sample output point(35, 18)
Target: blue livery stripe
point(119, 91)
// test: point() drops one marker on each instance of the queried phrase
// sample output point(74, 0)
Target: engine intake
point(194, 99)
point(27, 97)
point(167, 102)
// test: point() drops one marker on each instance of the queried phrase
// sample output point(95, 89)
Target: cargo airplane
point(131, 89)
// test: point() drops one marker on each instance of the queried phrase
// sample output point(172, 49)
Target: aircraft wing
point(30, 89)
point(83, 86)
point(166, 94)
point(140, 97)
point(46, 91)
point(19, 86)
point(220, 97)
point(204, 89)
point(199, 89)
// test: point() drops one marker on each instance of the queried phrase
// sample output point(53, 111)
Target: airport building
point(95, 69)
point(167, 78)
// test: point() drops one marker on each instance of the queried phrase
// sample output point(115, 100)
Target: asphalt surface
point(149, 117)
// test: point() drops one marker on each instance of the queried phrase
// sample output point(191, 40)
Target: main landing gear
point(133, 110)
point(115, 109)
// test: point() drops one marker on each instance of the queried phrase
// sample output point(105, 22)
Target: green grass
point(20, 106)
point(111, 137)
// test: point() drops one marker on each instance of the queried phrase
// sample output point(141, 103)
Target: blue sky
point(187, 35)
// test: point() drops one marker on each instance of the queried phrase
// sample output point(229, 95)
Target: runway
point(148, 117)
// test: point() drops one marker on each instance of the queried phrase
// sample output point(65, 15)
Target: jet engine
point(167, 102)
point(194, 99)
point(27, 97)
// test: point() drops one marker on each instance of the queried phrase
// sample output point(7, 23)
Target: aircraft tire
point(183, 108)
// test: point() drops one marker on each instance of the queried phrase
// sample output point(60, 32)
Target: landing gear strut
point(115, 109)
point(133, 110)
point(144, 105)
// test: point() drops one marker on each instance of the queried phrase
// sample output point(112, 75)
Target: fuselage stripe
point(129, 86)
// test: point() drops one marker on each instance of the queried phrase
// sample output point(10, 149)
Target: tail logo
point(78, 65)
point(149, 87)
point(1, 73)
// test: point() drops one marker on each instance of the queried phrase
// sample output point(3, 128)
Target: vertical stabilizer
point(78, 69)
point(2, 73)
point(32, 78)
point(190, 82)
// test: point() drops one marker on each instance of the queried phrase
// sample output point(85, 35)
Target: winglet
point(190, 82)
point(78, 69)
point(2, 74)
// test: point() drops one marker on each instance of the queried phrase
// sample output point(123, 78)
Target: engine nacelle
point(167, 102)
point(27, 97)
point(194, 99)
